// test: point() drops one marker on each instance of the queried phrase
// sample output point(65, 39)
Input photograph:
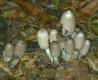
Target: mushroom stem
point(66, 56)
point(63, 54)
point(49, 54)
point(55, 62)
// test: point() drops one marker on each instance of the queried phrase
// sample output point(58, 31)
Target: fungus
point(8, 52)
point(20, 49)
point(68, 23)
point(43, 41)
point(55, 51)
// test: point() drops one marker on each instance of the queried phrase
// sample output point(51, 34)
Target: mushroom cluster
point(71, 44)
point(9, 52)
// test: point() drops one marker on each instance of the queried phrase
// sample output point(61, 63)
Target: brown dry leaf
point(90, 8)
point(13, 14)
point(2, 2)
point(6, 69)
point(48, 73)
point(30, 63)
point(18, 73)
point(26, 58)
point(35, 10)
point(31, 37)
point(61, 73)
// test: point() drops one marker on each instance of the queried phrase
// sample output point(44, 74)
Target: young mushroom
point(53, 35)
point(79, 40)
point(8, 52)
point(77, 30)
point(43, 41)
point(70, 47)
point(55, 52)
point(20, 49)
point(68, 22)
point(85, 49)
point(62, 44)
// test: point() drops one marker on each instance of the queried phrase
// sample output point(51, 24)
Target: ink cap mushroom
point(70, 47)
point(62, 44)
point(20, 49)
point(8, 52)
point(53, 35)
point(79, 40)
point(68, 22)
point(43, 41)
point(55, 52)
point(85, 49)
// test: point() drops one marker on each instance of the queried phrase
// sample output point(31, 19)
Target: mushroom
point(53, 35)
point(85, 49)
point(68, 22)
point(70, 47)
point(79, 40)
point(8, 52)
point(62, 44)
point(77, 30)
point(55, 51)
point(42, 38)
point(20, 49)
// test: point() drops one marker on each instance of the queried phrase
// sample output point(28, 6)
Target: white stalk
point(8, 52)
point(75, 55)
point(56, 61)
point(53, 35)
point(63, 54)
point(20, 49)
point(43, 41)
point(49, 54)
point(85, 49)
point(68, 22)
point(79, 40)
point(67, 57)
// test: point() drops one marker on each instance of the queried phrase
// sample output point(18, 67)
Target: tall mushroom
point(62, 44)
point(20, 49)
point(79, 40)
point(70, 47)
point(85, 49)
point(68, 22)
point(43, 41)
point(53, 35)
point(55, 51)
point(8, 52)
